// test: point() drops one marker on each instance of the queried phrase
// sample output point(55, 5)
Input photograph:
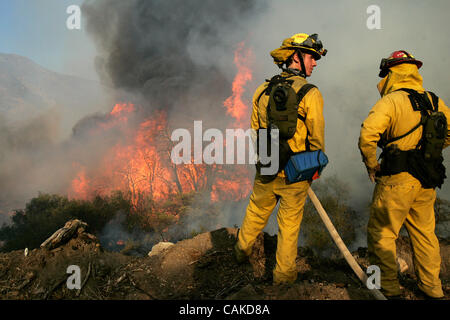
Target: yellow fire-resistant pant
point(400, 199)
point(262, 202)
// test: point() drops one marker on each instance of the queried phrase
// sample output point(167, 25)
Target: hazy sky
point(37, 29)
point(347, 76)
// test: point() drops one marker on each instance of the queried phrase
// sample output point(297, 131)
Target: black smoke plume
point(169, 52)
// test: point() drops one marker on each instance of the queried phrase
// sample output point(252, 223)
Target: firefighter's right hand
point(372, 172)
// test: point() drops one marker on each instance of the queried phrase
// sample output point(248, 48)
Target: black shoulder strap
point(435, 100)
point(260, 95)
point(384, 143)
point(419, 103)
point(273, 81)
point(301, 94)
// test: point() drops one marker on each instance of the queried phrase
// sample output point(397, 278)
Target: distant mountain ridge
point(38, 109)
point(27, 90)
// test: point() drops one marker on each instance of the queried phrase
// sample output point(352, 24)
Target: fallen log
point(64, 234)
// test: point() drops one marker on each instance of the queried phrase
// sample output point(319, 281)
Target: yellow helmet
point(300, 41)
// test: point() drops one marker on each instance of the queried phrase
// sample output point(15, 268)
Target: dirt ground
point(199, 268)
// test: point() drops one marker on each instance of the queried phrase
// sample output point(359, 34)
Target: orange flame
point(122, 108)
point(141, 166)
point(234, 104)
point(80, 185)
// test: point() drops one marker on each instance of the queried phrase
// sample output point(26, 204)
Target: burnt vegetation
point(181, 216)
point(200, 265)
point(164, 220)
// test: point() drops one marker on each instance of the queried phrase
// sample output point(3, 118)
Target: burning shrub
point(149, 215)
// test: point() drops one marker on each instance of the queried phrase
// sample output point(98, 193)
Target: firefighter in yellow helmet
point(408, 173)
point(297, 58)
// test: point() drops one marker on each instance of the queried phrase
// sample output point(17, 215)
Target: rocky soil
point(199, 268)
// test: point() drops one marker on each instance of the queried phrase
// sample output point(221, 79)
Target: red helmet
point(397, 57)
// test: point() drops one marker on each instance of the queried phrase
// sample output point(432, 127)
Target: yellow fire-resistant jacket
point(310, 107)
point(393, 114)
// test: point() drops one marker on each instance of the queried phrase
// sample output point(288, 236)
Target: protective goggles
point(314, 43)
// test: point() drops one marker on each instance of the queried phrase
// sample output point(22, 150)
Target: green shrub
point(47, 213)
point(333, 194)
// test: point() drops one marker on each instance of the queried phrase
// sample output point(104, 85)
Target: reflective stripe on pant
point(262, 202)
point(398, 200)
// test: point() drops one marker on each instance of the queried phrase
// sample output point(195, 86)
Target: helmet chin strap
point(302, 72)
point(302, 63)
point(297, 72)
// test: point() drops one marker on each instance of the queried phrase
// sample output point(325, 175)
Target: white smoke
point(178, 55)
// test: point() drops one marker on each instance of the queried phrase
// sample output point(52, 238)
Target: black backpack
point(282, 114)
point(425, 162)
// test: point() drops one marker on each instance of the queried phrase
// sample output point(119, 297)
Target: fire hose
point(341, 245)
